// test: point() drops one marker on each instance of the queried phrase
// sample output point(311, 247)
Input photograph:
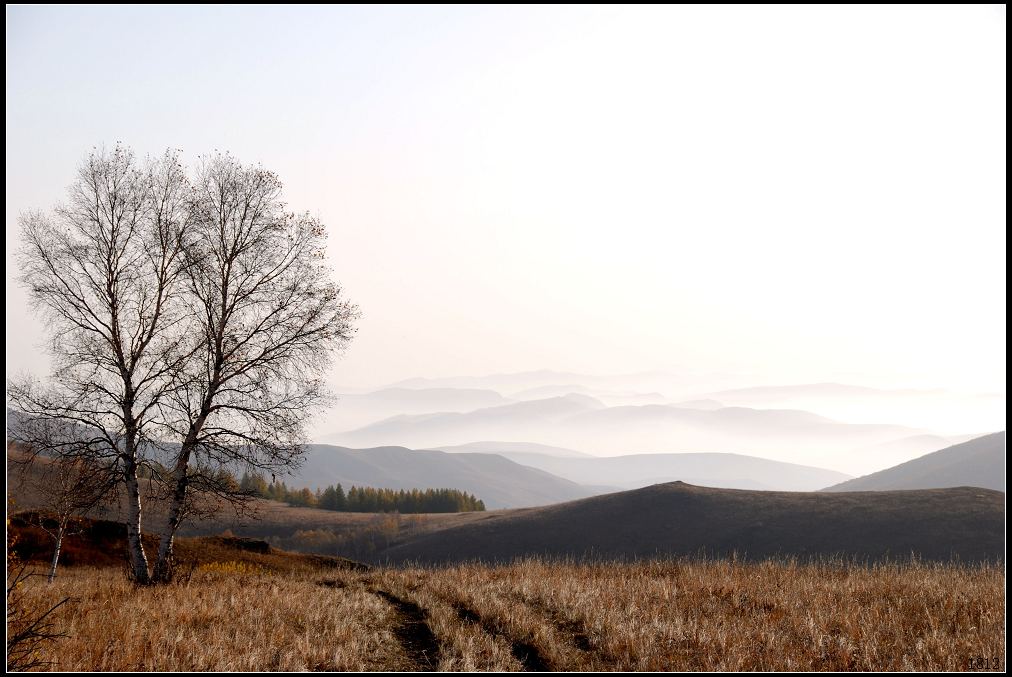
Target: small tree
point(69, 487)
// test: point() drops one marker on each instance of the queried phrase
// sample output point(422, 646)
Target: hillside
point(681, 519)
point(977, 463)
point(729, 471)
point(499, 482)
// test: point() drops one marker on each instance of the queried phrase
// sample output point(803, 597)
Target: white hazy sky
point(793, 193)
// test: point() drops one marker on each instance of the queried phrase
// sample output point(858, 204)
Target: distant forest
point(364, 499)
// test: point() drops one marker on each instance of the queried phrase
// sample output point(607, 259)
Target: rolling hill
point(681, 519)
point(977, 463)
point(499, 482)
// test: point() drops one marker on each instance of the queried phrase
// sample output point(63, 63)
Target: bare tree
point(104, 269)
point(190, 326)
point(270, 320)
point(69, 487)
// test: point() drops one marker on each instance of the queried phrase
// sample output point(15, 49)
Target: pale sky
point(798, 194)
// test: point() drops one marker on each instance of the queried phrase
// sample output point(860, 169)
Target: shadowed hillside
point(681, 519)
point(977, 463)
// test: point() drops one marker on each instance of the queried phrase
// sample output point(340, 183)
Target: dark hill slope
point(977, 463)
point(682, 519)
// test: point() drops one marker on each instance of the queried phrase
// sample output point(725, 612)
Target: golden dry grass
point(723, 615)
point(220, 620)
point(666, 615)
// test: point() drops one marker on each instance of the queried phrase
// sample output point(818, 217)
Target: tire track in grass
point(530, 658)
point(571, 628)
point(412, 628)
point(413, 631)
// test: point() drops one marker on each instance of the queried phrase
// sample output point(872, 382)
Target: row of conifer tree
point(364, 499)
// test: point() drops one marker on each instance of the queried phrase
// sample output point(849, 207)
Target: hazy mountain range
point(732, 471)
point(511, 476)
point(584, 423)
point(846, 428)
point(355, 410)
point(560, 436)
point(937, 410)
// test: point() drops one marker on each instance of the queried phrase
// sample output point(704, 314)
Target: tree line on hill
point(364, 499)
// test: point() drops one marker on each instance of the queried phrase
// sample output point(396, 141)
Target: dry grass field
point(242, 610)
point(241, 604)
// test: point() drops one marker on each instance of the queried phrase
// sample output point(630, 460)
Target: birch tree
point(104, 271)
point(269, 319)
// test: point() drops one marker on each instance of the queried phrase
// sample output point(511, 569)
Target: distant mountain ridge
point(581, 422)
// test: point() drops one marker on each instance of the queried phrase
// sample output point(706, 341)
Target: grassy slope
point(681, 519)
